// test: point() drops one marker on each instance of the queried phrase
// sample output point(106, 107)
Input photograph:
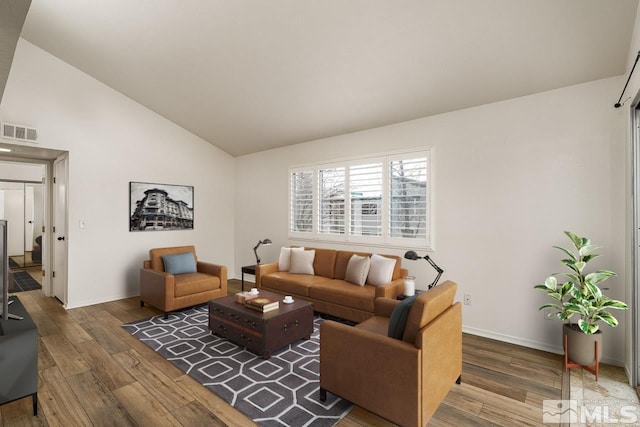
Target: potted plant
point(581, 295)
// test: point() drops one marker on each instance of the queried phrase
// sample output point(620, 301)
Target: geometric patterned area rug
point(280, 391)
point(22, 281)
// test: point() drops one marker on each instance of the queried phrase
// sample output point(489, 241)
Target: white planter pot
point(580, 346)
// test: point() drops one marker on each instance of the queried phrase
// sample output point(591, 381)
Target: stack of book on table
point(262, 304)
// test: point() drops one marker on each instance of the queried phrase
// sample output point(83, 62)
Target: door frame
point(46, 250)
point(46, 157)
point(57, 250)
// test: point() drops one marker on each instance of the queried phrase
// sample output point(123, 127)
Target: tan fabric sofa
point(403, 380)
point(327, 289)
point(170, 292)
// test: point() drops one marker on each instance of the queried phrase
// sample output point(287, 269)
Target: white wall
point(509, 178)
point(111, 141)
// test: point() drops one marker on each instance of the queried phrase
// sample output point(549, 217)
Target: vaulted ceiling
point(250, 75)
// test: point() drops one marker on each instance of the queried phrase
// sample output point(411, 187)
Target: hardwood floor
point(92, 372)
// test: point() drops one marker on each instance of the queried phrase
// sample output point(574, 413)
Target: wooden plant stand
point(594, 369)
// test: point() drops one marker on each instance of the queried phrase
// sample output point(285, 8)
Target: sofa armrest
point(263, 269)
point(390, 290)
point(217, 270)
point(212, 269)
point(441, 343)
point(357, 364)
point(384, 306)
point(156, 287)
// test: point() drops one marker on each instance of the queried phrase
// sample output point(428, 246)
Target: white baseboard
point(528, 343)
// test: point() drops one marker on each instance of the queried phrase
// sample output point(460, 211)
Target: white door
point(59, 241)
point(28, 218)
point(14, 214)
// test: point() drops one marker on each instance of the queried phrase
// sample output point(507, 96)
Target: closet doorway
point(22, 205)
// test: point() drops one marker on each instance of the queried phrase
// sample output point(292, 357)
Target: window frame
point(385, 238)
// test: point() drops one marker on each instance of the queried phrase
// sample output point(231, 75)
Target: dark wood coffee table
point(259, 332)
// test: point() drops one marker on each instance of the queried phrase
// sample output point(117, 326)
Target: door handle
point(61, 238)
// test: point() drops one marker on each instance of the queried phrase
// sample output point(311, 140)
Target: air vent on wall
point(19, 132)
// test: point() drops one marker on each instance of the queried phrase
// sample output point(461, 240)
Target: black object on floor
point(13, 264)
point(22, 281)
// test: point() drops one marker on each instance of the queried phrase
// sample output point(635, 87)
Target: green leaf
point(607, 318)
point(586, 250)
point(619, 305)
point(589, 257)
point(574, 277)
point(568, 252)
point(551, 283)
point(577, 241)
point(593, 290)
point(571, 264)
point(598, 276)
point(588, 328)
point(566, 288)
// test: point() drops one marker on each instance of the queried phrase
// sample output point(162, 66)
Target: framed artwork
point(160, 207)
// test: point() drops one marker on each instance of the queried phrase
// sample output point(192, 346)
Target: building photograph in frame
point(160, 207)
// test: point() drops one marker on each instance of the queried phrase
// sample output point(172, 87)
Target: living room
point(509, 176)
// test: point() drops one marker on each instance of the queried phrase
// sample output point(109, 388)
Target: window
point(408, 210)
point(377, 200)
point(365, 189)
point(331, 200)
point(301, 202)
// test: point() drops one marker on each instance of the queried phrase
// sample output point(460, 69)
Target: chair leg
point(459, 380)
point(166, 315)
point(141, 303)
point(323, 395)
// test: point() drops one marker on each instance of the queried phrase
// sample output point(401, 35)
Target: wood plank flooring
point(93, 373)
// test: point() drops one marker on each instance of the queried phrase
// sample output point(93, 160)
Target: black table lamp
point(412, 255)
point(265, 242)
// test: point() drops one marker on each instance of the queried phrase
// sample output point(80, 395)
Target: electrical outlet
point(467, 299)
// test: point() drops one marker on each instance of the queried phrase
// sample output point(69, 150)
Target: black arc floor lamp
point(265, 242)
point(412, 255)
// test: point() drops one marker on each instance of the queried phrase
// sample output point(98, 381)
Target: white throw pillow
point(284, 262)
point(381, 270)
point(302, 262)
point(357, 269)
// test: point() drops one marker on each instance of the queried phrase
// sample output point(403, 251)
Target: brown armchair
point(403, 380)
point(170, 292)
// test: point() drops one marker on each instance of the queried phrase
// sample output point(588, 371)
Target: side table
point(249, 269)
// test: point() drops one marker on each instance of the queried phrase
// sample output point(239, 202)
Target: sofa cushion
point(302, 262)
point(381, 270)
point(284, 261)
point(357, 270)
point(377, 325)
point(342, 261)
point(193, 283)
point(399, 316)
point(156, 255)
point(179, 263)
point(290, 284)
point(343, 293)
point(324, 262)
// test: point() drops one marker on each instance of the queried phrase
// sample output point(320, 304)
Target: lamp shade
point(412, 255)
